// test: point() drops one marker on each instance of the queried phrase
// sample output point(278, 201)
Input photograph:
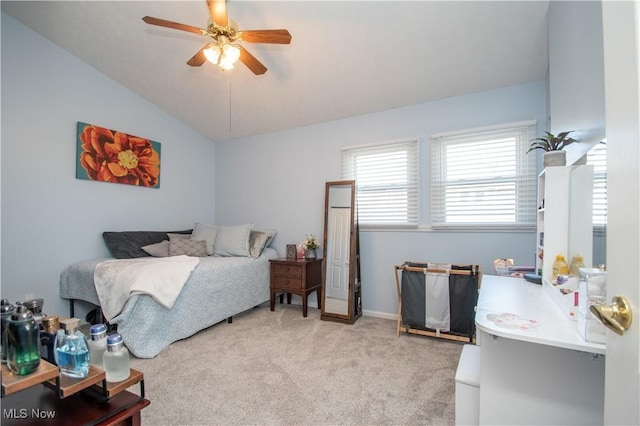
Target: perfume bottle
point(22, 340)
point(50, 326)
point(116, 359)
point(98, 344)
point(72, 350)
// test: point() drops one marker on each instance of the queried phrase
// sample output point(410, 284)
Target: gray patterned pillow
point(196, 248)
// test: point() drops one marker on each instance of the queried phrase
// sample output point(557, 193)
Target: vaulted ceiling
point(346, 58)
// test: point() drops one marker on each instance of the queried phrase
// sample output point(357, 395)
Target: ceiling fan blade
point(218, 12)
point(174, 25)
point(198, 59)
point(266, 36)
point(251, 62)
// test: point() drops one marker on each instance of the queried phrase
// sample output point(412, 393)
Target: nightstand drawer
point(284, 282)
point(288, 270)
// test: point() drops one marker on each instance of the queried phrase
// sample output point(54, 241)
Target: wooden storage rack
point(49, 375)
point(468, 270)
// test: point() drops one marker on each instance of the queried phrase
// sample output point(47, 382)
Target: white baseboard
point(384, 315)
point(365, 312)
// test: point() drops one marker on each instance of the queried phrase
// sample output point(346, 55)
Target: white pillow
point(207, 233)
point(178, 236)
point(233, 240)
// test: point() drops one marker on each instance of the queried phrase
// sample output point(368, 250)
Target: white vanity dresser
point(534, 366)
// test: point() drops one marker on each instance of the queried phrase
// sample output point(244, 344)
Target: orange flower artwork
point(110, 156)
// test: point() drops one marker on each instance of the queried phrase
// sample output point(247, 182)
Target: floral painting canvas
point(110, 156)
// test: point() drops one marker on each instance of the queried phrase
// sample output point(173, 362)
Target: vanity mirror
point(341, 287)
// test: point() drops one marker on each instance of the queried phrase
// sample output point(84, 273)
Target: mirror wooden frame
point(353, 309)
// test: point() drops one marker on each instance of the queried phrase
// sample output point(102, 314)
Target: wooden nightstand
point(301, 277)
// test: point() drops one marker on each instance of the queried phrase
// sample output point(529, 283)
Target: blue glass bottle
point(72, 350)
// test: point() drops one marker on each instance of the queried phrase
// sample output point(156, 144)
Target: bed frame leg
point(72, 310)
point(229, 320)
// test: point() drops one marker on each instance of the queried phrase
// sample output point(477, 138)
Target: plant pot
point(580, 161)
point(310, 254)
point(554, 158)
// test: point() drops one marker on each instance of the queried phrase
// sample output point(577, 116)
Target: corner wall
point(50, 219)
point(277, 181)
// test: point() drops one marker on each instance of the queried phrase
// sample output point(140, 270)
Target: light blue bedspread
point(218, 288)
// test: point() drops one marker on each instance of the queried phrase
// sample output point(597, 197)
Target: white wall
point(277, 180)
point(50, 219)
point(576, 82)
point(576, 72)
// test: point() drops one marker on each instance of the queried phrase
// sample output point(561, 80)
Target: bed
point(218, 288)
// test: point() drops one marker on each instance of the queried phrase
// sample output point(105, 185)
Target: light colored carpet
point(278, 368)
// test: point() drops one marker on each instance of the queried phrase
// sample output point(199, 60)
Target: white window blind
point(484, 178)
point(597, 156)
point(386, 178)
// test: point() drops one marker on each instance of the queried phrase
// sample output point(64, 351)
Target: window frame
point(525, 188)
point(412, 185)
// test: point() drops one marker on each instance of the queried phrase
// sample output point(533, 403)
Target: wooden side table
point(300, 276)
point(37, 403)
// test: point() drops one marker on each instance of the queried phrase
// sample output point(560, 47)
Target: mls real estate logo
point(23, 413)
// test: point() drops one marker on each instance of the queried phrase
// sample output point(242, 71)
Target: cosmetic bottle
point(22, 340)
point(576, 264)
point(560, 267)
point(50, 327)
point(98, 344)
point(116, 359)
point(72, 350)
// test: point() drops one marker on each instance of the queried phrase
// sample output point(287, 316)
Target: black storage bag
point(413, 296)
point(463, 297)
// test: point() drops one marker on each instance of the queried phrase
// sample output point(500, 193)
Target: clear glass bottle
point(98, 344)
point(72, 350)
point(22, 340)
point(560, 267)
point(116, 359)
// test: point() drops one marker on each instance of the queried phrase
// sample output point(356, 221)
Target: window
point(597, 156)
point(484, 178)
point(386, 178)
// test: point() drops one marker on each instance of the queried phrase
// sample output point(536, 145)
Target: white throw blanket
point(162, 278)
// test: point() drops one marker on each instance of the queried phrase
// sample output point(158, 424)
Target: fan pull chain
point(229, 82)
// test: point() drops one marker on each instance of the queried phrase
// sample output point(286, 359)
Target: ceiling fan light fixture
point(231, 53)
point(222, 53)
point(229, 56)
point(212, 53)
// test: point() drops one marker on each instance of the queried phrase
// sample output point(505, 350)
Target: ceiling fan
point(224, 49)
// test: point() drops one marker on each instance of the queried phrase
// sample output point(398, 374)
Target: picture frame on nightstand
point(292, 252)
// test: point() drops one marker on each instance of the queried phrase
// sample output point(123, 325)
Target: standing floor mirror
point(341, 287)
